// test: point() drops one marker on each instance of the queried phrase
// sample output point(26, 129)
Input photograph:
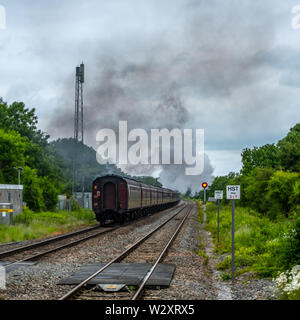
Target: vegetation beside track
point(32, 225)
point(267, 215)
point(263, 246)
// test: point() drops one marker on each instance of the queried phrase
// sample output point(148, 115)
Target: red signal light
point(204, 185)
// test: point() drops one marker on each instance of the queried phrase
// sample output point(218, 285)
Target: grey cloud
point(195, 64)
point(213, 60)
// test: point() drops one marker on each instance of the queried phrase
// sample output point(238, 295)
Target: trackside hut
point(13, 194)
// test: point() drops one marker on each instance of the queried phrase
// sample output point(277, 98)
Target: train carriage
point(117, 198)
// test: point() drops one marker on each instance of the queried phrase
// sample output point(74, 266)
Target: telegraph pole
point(19, 169)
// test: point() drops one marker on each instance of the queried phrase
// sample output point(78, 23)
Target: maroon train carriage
point(117, 198)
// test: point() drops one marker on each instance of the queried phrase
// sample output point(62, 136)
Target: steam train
point(119, 199)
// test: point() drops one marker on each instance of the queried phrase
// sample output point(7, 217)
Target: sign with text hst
point(233, 192)
point(219, 194)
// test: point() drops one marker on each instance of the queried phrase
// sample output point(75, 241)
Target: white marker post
point(233, 193)
point(2, 278)
point(218, 197)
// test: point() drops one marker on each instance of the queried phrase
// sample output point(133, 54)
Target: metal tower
point(78, 120)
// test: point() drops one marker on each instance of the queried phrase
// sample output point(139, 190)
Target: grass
point(31, 225)
point(261, 245)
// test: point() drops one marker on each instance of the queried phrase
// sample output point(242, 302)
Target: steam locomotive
point(119, 199)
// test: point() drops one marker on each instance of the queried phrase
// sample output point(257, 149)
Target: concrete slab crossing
point(130, 274)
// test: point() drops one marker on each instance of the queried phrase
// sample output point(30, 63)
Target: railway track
point(20, 248)
point(147, 248)
point(39, 249)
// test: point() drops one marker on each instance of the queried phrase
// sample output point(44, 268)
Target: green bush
point(13, 148)
point(56, 217)
point(297, 241)
point(33, 193)
point(281, 193)
point(34, 225)
point(254, 188)
point(50, 193)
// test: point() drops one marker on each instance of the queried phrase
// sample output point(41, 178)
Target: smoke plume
point(176, 79)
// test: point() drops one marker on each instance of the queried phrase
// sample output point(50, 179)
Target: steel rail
point(70, 244)
point(141, 289)
point(9, 243)
point(119, 257)
point(41, 243)
point(45, 242)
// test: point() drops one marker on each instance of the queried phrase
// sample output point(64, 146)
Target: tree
point(22, 144)
point(188, 192)
point(49, 192)
point(267, 156)
point(280, 192)
point(254, 189)
point(289, 150)
point(13, 148)
point(33, 193)
point(23, 120)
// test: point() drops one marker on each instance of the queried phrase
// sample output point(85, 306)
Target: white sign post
point(218, 196)
point(233, 193)
point(2, 278)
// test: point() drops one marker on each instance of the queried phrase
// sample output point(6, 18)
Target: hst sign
point(233, 192)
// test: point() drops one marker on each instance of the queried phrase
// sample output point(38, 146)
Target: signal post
point(204, 186)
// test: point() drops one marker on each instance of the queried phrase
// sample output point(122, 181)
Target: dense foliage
point(262, 245)
point(23, 145)
point(269, 179)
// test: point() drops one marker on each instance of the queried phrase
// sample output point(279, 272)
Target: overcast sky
point(230, 67)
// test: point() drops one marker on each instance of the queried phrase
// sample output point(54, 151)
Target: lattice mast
point(78, 121)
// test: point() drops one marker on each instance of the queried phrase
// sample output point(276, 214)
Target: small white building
point(12, 194)
point(85, 201)
point(62, 202)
